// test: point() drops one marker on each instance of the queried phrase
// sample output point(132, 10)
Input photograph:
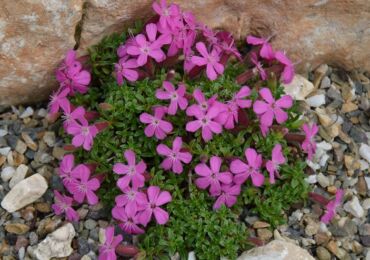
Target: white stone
point(276, 250)
point(19, 175)
point(316, 101)
point(42, 112)
point(299, 88)
point(323, 180)
point(364, 165)
point(24, 193)
point(27, 113)
point(3, 132)
point(7, 173)
point(311, 179)
point(56, 244)
point(354, 207)
point(4, 151)
point(191, 256)
point(365, 152)
point(367, 180)
point(366, 204)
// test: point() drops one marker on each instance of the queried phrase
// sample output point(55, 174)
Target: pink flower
point(288, 72)
point(228, 196)
point(70, 114)
point(84, 187)
point(203, 103)
point(270, 108)
point(227, 44)
point(65, 169)
point(128, 220)
point(258, 66)
point(83, 134)
point(156, 198)
point(122, 49)
point(188, 64)
point(124, 69)
point(149, 48)
point(107, 251)
point(63, 204)
point(71, 75)
point(230, 114)
point(272, 165)
point(212, 177)
point(131, 198)
point(206, 121)
point(211, 60)
point(177, 97)
point(168, 15)
point(175, 157)
point(309, 144)
point(331, 207)
point(156, 126)
point(250, 169)
point(266, 49)
point(58, 99)
point(133, 172)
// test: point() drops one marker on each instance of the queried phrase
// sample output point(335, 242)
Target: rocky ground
point(338, 101)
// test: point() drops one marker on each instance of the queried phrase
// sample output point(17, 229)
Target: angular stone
point(7, 173)
point(21, 147)
point(299, 88)
point(316, 101)
point(29, 142)
point(19, 175)
point(56, 244)
point(354, 207)
point(365, 152)
point(17, 228)
point(278, 250)
point(24, 193)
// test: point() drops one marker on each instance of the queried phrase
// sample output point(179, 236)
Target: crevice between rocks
point(78, 29)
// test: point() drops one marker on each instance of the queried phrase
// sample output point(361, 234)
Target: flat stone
point(260, 224)
point(325, 83)
point(278, 250)
point(323, 180)
point(349, 107)
point(316, 101)
point(49, 138)
point(19, 175)
point(17, 228)
point(56, 244)
point(24, 193)
point(299, 88)
point(365, 152)
point(27, 113)
point(365, 240)
point(322, 253)
point(29, 142)
point(358, 135)
point(354, 207)
point(5, 150)
point(90, 224)
point(21, 147)
point(7, 173)
point(58, 152)
point(264, 234)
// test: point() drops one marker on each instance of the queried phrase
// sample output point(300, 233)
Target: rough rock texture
point(34, 36)
point(56, 244)
point(24, 193)
point(277, 250)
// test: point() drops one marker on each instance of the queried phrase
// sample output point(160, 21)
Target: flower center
point(204, 106)
point(131, 170)
point(155, 122)
point(173, 156)
point(166, 12)
point(85, 130)
point(145, 50)
point(131, 195)
point(174, 96)
point(204, 121)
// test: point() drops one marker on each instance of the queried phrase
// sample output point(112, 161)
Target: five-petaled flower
point(272, 165)
point(63, 204)
point(332, 206)
point(156, 126)
point(83, 134)
point(211, 60)
point(228, 196)
point(133, 173)
point(202, 103)
point(128, 220)
point(107, 251)
point(176, 96)
point(65, 169)
point(132, 198)
point(169, 14)
point(251, 169)
point(175, 158)
point(309, 144)
point(125, 68)
point(58, 99)
point(266, 50)
point(211, 176)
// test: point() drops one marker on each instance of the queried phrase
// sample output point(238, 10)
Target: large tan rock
point(34, 36)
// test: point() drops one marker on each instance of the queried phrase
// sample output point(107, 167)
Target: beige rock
point(299, 88)
point(34, 36)
point(17, 228)
point(24, 193)
point(19, 175)
point(277, 250)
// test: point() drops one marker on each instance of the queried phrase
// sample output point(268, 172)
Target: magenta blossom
point(228, 196)
point(258, 66)
point(211, 60)
point(288, 71)
point(269, 108)
point(83, 134)
point(203, 103)
point(122, 49)
point(168, 15)
point(132, 198)
point(156, 126)
point(331, 207)
point(156, 198)
point(230, 114)
point(272, 165)
point(251, 169)
point(149, 48)
point(65, 169)
point(63, 204)
point(133, 173)
point(212, 177)
point(175, 157)
point(71, 114)
point(206, 121)
point(227, 44)
point(128, 220)
point(266, 51)
point(82, 186)
point(107, 251)
point(125, 69)
point(177, 97)
point(309, 144)
point(58, 99)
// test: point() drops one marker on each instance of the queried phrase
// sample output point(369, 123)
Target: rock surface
point(277, 250)
point(24, 193)
point(56, 244)
point(35, 35)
